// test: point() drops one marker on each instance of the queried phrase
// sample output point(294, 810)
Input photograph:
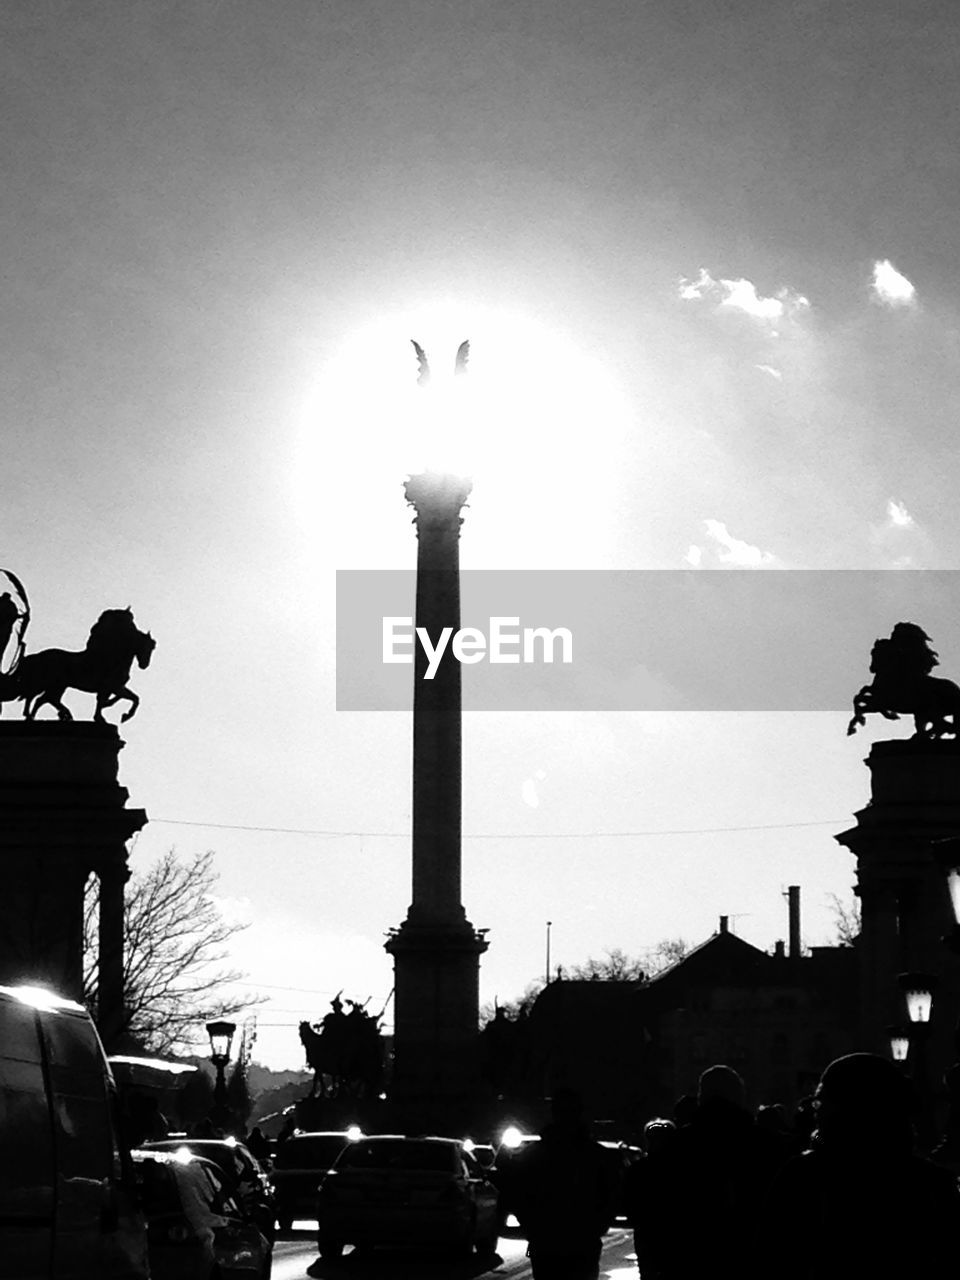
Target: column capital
point(438, 499)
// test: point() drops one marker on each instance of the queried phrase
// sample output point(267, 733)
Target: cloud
point(741, 295)
point(730, 551)
point(898, 517)
point(901, 540)
point(890, 288)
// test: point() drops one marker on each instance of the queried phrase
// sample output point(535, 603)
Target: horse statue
point(102, 668)
point(903, 685)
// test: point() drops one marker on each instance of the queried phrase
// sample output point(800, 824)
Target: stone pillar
point(63, 815)
point(110, 929)
point(436, 950)
point(905, 906)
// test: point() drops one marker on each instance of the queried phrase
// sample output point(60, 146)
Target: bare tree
point(175, 940)
point(614, 966)
point(667, 952)
point(846, 917)
point(617, 966)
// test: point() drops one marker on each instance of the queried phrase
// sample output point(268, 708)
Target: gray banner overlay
point(648, 640)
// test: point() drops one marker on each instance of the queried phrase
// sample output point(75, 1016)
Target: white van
point(68, 1208)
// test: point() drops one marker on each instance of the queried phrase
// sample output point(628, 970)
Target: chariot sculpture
point(345, 1053)
point(102, 667)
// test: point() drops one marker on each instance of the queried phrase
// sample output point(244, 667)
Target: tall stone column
point(905, 905)
point(436, 950)
point(63, 816)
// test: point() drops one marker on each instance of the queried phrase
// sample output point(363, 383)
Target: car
point(301, 1162)
point(245, 1179)
point(68, 1199)
point(195, 1229)
point(392, 1190)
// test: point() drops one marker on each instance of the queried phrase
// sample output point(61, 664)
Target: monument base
point(436, 1084)
point(63, 817)
point(913, 812)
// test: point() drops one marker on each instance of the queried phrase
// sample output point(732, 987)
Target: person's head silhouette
point(721, 1084)
point(864, 1100)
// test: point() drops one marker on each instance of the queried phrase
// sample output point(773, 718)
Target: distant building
point(634, 1048)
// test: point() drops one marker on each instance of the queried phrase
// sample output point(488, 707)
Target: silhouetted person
point(638, 1189)
point(859, 1205)
point(563, 1191)
point(258, 1144)
point(658, 1135)
point(288, 1130)
point(684, 1109)
point(804, 1121)
point(143, 1121)
point(705, 1190)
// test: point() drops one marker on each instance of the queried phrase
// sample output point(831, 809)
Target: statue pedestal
point(905, 904)
point(63, 816)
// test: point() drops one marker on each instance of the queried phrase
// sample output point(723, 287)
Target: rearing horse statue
point(102, 668)
point(902, 685)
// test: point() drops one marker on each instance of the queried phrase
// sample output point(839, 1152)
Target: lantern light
point(918, 988)
point(953, 884)
point(899, 1043)
point(221, 1038)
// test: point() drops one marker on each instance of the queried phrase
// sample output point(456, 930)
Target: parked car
point(396, 1191)
point(301, 1162)
point(68, 1203)
point(243, 1175)
point(196, 1230)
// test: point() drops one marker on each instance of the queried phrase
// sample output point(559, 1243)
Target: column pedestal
point(905, 905)
point(63, 815)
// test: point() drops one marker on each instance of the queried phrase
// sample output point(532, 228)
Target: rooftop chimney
point(724, 924)
point(793, 897)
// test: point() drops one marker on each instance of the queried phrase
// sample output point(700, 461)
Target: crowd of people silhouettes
point(723, 1191)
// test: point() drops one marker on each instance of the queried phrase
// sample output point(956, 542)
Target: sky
point(715, 249)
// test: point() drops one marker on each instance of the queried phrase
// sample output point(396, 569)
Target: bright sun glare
point(534, 410)
point(529, 391)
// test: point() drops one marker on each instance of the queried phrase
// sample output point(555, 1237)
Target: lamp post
point(947, 1151)
point(221, 1035)
point(918, 990)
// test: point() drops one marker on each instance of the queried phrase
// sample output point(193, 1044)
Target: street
point(295, 1258)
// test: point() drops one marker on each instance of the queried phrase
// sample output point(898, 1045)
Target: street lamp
point(221, 1035)
point(899, 1043)
point(918, 989)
